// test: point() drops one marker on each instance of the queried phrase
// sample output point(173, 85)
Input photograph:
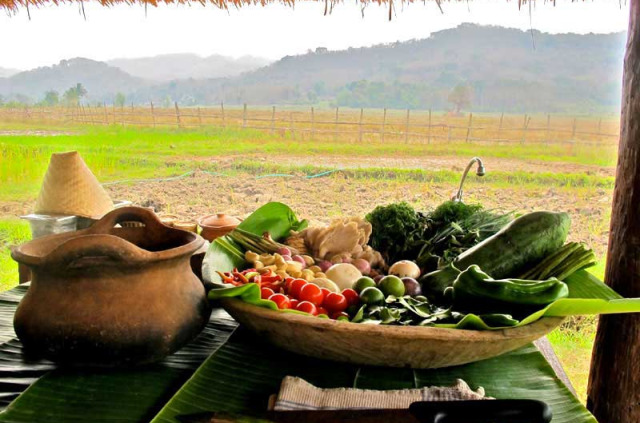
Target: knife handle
point(489, 411)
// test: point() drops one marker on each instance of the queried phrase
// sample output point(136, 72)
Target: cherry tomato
point(287, 283)
point(307, 307)
point(294, 303)
point(265, 293)
point(325, 291)
point(341, 315)
point(322, 310)
point(351, 296)
point(311, 293)
point(281, 300)
point(335, 302)
point(295, 288)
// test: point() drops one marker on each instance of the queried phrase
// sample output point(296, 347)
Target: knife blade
point(495, 411)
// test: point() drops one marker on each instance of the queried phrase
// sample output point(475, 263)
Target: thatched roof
point(14, 5)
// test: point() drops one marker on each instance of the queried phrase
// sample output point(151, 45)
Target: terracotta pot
point(107, 295)
point(217, 225)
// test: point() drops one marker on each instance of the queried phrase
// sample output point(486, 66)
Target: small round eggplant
point(411, 286)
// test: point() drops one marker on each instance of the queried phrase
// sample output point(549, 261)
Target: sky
point(60, 32)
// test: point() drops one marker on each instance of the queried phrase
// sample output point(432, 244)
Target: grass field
point(193, 172)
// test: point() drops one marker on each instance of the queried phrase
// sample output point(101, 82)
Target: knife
point(491, 411)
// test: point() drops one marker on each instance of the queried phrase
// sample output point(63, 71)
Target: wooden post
point(335, 127)
point(573, 130)
point(546, 137)
point(273, 119)
point(106, 114)
point(360, 125)
point(614, 385)
point(175, 103)
point(84, 115)
point(153, 115)
point(599, 129)
point(113, 108)
point(122, 117)
point(406, 129)
point(293, 134)
point(500, 126)
point(525, 126)
point(313, 124)
point(224, 124)
point(244, 116)
point(429, 129)
point(199, 117)
point(469, 127)
point(448, 133)
point(384, 122)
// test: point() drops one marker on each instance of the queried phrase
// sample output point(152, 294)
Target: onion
point(324, 265)
point(284, 251)
point(405, 268)
point(287, 257)
point(362, 265)
point(300, 259)
point(344, 275)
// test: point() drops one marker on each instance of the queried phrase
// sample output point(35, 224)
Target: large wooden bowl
point(378, 345)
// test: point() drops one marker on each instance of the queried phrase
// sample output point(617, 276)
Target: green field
point(578, 178)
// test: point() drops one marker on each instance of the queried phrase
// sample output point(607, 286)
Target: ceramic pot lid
point(219, 220)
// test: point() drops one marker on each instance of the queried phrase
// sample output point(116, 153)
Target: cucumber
point(515, 248)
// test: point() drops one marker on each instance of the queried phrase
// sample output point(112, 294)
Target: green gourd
point(518, 246)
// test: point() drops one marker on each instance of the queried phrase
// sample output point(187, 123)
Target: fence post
point(573, 130)
point(384, 122)
point(360, 125)
point(84, 115)
point(500, 126)
point(293, 134)
point(448, 133)
point(548, 132)
point(599, 130)
point(175, 103)
point(429, 129)
point(199, 117)
point(335, 127)
point(525, 125)
point(224, 124)
point(122, 121)
point(244, 116)
point(406, 129)
point(469, 127)
point(273, 120)
point(153, 115)
point(313, 124)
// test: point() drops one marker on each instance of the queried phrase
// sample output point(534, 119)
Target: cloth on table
point(298, 394)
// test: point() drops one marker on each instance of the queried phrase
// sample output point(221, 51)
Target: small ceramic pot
point(111, 295)
point(217, 225)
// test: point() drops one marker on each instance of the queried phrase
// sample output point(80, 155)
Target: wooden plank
point(614, 382)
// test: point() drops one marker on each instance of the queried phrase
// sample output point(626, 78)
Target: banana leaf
point(224, 254)
point(99, 395)
point(241, 375)
point(587, 295)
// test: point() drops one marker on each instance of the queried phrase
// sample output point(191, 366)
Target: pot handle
point(91, 250)
point(127, 214)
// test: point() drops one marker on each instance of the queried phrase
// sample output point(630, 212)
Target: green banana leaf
point(241, 375)
point(587, 295)
point(224, 254)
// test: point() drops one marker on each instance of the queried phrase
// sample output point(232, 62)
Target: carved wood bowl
point(380, 345)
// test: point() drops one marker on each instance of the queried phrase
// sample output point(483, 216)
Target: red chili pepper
point(225, 278)
point(244, 272)
point(240, 277)
point(271, 278)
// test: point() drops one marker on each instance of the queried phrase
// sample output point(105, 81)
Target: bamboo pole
point(406, 130)
point(360, 125)
point(614, 385)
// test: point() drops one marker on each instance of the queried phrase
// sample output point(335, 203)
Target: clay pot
point(110, 295)
point(217, 225)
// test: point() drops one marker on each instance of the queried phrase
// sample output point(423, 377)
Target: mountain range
point(504, 69)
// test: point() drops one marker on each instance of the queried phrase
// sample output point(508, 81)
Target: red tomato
point(307, 307)
point(287, 283)
point(281, 300)
point(338, 314)
point(351, 296)
point(265, 293)
point(335, 302)
point(294, 303)
point(322, 310)
point(311, 293)
point(295, 288)
point(325, 291)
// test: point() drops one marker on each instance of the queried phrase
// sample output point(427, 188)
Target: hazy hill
point(6, 72)
point(502, 68)
point(101, 81)
point(183, 66)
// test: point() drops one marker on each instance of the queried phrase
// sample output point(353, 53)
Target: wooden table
point(140, 394)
